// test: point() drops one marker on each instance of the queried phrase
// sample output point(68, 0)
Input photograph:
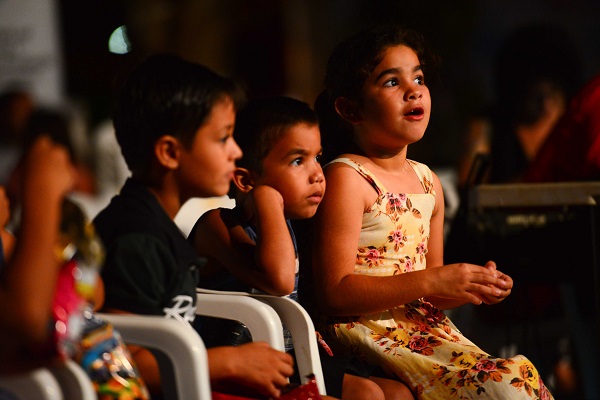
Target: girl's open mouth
point(415, 112)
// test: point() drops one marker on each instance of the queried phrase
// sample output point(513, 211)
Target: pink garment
point(67, 311)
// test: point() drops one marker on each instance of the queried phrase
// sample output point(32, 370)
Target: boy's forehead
point(296, 139)
point(222, 113)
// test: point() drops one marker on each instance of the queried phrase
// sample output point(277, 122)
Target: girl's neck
point(384, 157)
point(395, 173)
point(386, 161)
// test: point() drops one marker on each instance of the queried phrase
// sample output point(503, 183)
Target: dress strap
point(424, 174)
point(364, 172)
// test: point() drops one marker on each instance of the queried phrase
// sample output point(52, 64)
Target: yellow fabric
point(417, 342)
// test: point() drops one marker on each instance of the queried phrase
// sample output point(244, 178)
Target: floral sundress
point(417, 342)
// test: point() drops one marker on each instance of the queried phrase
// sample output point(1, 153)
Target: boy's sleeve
point(137, 273)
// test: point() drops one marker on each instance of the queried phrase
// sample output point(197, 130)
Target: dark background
point(281, 46)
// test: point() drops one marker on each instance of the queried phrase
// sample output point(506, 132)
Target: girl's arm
point(435, 258)
point(342, 292)
point(270, 263)
point(435, 246)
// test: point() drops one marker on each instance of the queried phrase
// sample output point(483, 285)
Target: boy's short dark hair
point(262, 122)
point(166, 95)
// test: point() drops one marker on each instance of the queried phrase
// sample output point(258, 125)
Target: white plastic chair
point(184, 370)
point(294, 318)
point(66, 381)
point(37, 384)
point(73, 381)
point(179, 350)
point(178, 347)
point(261, 319)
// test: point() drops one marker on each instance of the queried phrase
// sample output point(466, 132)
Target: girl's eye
point(391, 82)
point(420, 80)
point(319, 158)
point(297, 161)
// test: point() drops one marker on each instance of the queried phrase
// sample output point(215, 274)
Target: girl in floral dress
point(378, 269)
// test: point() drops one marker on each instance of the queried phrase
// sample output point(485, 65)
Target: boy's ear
point(347, 109)
point(242, 179)
point(167, 150)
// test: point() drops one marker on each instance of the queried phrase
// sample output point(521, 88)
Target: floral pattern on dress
point(417, 342)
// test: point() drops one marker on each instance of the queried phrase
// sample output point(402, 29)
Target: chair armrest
point(262, 321)
point(298, 322)
point(74, 382)
point(37, 384)
point(180, 343)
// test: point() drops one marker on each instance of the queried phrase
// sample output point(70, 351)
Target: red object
point(307, 391)
point(571, 152)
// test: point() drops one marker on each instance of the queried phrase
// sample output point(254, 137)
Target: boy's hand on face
point(262, 196)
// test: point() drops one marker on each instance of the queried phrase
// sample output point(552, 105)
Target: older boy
point(174, 122)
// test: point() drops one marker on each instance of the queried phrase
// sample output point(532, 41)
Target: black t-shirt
point(150, 268)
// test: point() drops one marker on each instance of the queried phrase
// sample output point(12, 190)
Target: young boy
point(252, 246)
point(174, 121)
point(279, 178)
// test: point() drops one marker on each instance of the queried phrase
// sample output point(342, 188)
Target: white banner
point(30, 51)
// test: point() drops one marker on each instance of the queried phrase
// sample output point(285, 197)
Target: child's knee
point(393, 389)
point(355, 387)
point(399, 392)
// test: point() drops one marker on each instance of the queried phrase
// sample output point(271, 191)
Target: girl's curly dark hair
point(348, 67)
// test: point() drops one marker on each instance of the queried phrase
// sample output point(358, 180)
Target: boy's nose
point(236, 152)
point(317, 175)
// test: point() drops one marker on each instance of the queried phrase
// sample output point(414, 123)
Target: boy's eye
point(225, 138)
point(319, 158)
point(420, 80)
point(297, 161)
point(390, 82)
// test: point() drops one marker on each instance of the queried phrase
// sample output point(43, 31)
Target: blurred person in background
point(572, 150)
point(537, 71)
point(15, 107)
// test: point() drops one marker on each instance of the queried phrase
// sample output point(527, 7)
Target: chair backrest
point(260, 318)
point(290, 313)
point(298, 322)
point(180, 351)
